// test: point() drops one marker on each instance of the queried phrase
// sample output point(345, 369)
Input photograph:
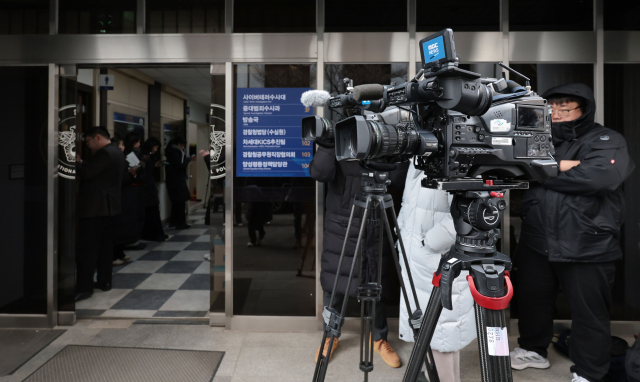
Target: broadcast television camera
point(461, 129)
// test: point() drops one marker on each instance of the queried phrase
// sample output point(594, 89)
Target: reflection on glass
point(24, 17)
point(274, 217)
point(621, 114)
point(216, 207)
point(621, 15)
point(187, 16)
point(281, 16)
point(97, 16)
point(365, 16)
point(550, 15)
point(459, 15)
point(23, 274)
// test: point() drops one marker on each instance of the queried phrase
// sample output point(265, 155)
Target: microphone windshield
point(368, 92)
point(315, 98)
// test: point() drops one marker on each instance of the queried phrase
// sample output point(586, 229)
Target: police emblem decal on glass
point(497, 341)
point(67, 142)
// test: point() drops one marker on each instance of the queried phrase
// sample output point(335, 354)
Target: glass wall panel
point(279, 16)
point(365, 16)
point(370, 74)
point(188, 16)
point(274, 197)
point(23, 187)
point(24, 17)
point(97, 16)
point(459, 15)
point(621, 114)
point(550, 15)
point(621, 15)
point(216, 197)
point(543, 77)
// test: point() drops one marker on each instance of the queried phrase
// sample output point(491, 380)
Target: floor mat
point(17, 346)
point(115, 364)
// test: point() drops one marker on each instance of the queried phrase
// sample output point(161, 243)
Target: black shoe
point(104, 287)
point(183, 226)
point(83, 295)
point(137, 247)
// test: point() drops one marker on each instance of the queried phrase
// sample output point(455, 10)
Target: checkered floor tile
point(168, 279)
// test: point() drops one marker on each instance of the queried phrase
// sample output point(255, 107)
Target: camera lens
point(318, 128)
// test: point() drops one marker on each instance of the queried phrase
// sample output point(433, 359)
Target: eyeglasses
point(562, 112)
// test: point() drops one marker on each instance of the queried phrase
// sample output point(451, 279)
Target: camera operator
point(570, 238)
point(427, 230)
point(343, 181)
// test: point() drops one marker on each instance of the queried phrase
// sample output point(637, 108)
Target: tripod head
point(476, 217)
point(375, 177)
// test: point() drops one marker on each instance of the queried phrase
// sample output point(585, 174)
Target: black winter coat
point(343, 182)
point(576, 217)
point(127, 225)
point(100, 188)
point(176, 175)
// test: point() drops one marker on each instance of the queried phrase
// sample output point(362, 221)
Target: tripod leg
point(429, 363)
point(323, 361)
point(344, 249)
point(404, 256)
point(491, 326)
point(429, 321)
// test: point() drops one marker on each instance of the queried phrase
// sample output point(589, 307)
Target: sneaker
point(326, 348)
point(389, 356)
point(118, 262)
point(126, 258)
point(207, 256)
point(577, 378)
point(249, 244)
point(522, 359)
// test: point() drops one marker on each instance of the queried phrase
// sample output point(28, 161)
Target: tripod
point(375, 202)
point(476, 216)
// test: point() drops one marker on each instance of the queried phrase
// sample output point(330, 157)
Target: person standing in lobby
point(176, 172)
point(99, 199)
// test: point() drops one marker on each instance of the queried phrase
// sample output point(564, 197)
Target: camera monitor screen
point(530, 118)
point(437, 49)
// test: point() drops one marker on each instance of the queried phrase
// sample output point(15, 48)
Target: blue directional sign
point(268, 133)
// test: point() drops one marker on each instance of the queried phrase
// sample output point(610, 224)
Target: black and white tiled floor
point(169, 279)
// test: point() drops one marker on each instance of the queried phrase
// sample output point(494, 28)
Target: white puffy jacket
point(427, 232)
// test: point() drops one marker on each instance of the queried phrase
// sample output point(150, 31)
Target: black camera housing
point(512, 141)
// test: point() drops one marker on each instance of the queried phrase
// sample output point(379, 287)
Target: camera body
point(512, 140)
point(460, 129)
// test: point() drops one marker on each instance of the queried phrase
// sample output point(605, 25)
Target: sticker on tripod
point(501, 141)
point(497, 341)
point(500, 126)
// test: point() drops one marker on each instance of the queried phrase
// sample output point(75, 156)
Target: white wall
point(198, 112)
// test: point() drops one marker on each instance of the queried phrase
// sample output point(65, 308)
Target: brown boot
point(389, 356)
point(326, 348)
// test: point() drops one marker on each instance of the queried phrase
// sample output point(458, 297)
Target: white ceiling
point(194, 82)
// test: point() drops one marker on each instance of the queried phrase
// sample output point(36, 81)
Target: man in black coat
point(571, 237)
point(99, 199)
point(176, 181)
point(343, 182)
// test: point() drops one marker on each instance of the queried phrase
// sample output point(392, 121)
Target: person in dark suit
point(99, 199)
point(176, 181)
